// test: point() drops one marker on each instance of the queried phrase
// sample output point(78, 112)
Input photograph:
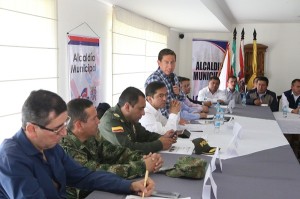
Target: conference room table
point(272, 173)
point(290, 124)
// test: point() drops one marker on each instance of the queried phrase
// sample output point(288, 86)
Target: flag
point(233, 57)
point(242, 65)
point(254, 62)
point(226, 70)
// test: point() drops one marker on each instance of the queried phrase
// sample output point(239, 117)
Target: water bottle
point(221, 111)
point(284, 111)
point(217, 106)
point(217, 119)
point(217, 123)
point(243, 99)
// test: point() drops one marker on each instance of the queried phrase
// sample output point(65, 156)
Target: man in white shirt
point(153, 120)
point(291, 98)
point(230, 92)
point(212, 93)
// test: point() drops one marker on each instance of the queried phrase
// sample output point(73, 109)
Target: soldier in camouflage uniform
point(120, 126)
point(82, 145)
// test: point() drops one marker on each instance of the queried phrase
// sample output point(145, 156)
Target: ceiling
point(212, 15)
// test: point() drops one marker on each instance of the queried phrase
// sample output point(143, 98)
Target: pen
point(145, 182)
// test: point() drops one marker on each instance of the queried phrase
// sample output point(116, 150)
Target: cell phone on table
point(178, 133)
point(184, 134)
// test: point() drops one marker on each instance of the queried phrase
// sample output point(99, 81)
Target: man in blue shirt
point(33, 165)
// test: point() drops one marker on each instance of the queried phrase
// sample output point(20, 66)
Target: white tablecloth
point(256, 135)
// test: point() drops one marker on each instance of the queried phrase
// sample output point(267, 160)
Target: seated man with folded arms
point(212, 93)
point(82, 145)
point(34, 165)
point(291, 98)
point(261, 95)
point(120, 125)
point(231, 92)
point(186, 88)
point(153, 120)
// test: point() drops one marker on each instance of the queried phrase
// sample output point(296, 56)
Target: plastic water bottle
point(217, 106)
point(244, 99)
point(221, 111)
point(284, 111)
point(217, 123)
point(217, 119)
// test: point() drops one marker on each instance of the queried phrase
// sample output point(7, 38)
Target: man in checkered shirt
point(165, 73)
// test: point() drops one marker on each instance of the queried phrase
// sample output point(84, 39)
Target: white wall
point(173, 44)
point(98, 16)
point(282, 61)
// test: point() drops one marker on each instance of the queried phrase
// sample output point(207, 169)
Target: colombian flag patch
point(117, 129)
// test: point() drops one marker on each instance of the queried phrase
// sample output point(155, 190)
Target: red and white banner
point(84, 67)
point(207, 60)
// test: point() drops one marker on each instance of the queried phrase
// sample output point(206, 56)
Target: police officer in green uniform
point(82, 145)
point(120, 126)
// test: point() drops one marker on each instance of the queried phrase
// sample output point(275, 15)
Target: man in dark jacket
point(261, 95)
point(291, 98)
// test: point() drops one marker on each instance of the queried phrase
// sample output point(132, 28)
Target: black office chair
point(278, 100)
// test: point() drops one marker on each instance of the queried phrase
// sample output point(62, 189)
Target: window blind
point(28, 48)
point(136, 44)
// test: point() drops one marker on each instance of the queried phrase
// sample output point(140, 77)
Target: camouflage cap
point(189, 167)
point(202, 147)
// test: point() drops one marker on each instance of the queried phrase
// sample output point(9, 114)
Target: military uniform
point(115, 129)
point(96, 155)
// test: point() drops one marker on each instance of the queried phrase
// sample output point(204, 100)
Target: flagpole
point(242, 84)
point(233, 67)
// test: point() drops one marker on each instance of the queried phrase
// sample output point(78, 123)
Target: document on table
point(139, 197)
point(182, 146)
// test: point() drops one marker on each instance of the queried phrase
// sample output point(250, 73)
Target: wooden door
point(248, 50)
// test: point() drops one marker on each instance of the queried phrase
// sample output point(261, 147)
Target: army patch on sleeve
point(117, 129)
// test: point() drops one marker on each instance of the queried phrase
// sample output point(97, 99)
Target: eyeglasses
point(57, 130)
point(161, 96)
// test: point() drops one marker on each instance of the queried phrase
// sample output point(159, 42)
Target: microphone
point(172, 76)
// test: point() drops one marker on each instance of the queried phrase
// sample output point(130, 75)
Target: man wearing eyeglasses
point(33, 165)
point(153, 120)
